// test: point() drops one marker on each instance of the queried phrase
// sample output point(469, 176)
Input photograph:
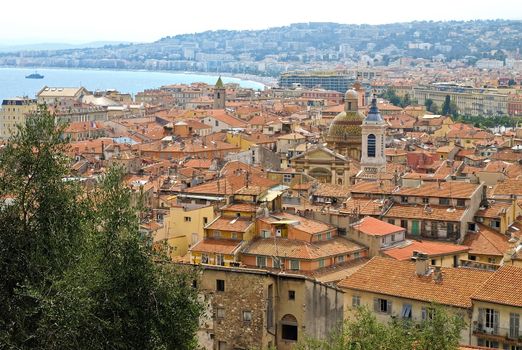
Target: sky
point(62, 21)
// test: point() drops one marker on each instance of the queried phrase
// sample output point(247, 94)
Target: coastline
point(267, 82)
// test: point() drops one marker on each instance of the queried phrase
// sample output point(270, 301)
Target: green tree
point(76, 272)
point(441, 331)
point(446, 108)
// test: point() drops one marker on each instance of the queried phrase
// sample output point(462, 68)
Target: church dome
point(346, 124)
point(351, 95)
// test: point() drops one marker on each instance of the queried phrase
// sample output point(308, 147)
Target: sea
point(13, 82)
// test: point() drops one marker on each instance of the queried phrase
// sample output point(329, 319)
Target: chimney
point(421, 264)
point(437, 275)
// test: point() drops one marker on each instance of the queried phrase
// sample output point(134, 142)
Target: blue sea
point(13, 82)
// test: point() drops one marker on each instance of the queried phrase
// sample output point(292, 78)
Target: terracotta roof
point(198, 163)
point(219, 246)
point(331, 190)
point(486, 242)
point(222, 116)
point(375, 227)
point(432, 248)
point(450, 189)
point(295, 249)
point(508, 187)
point(302, 224)
point(244, 207)
point(398, 278)
point(373, 187)
point(230, 224)
point(494, 210)
point(434, 212)
point(363, 206)
point(503, 287)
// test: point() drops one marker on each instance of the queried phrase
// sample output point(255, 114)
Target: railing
point(479, 265)
point(509, 333)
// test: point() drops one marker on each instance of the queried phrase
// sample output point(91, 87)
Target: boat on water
point(34, 76)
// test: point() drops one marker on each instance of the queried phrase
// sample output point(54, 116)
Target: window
point(328, 235)
point(220, 285)
point(247, 316)
point(187, 219)
point(514, 326)
point(289, 328)
point(404, 199)
point(406, 311)
point(356, 255)
point(382, 306)
point(487, 343)
point(444, 201)
point(472, 257)
point(294, 264)
point(461, 202)
point(291, 295)
point(205, 220)
point(433, 262)
point(356, 300)
point(425, 200)
point(371, 145)
point(217, 234)
point(393, 237)
point(495, 223)
point(216, 123)
point(287, 177)
point(321, 263)
point(276, 262)
point(340, 259)
point(220, 260)
point(233, 235)
point(265, 234)
point(492, 260)
point(391, 221)
point(319, 236)
point(404, 224)
point(261, 261)
point(427, 313)
point(204, 258)
point(220, 312)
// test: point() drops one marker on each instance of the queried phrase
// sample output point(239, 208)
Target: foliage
point(396, 100)
point(489, 122)
point(77, 273)
point(364, 332)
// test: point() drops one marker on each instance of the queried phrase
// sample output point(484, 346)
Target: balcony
point(506, 335)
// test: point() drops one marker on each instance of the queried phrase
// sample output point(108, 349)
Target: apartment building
point(14, 112)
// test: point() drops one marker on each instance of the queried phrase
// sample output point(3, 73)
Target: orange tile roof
point(432, 248)
point(218, 246)
point(244, 207)
point(508, 187)
point(434, 212)
point(494, 210)
point(450, 189)
point(398, 278)
point(486, 242)
point(503, 287)
point(302, 224)
point(362, 206)
point(295, 249)
point(233, 224)
point(198, 163)
point(375, 227)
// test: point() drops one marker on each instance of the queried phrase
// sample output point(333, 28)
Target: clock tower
point(373, 159)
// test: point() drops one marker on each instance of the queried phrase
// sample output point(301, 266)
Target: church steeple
point(219, 94)
point(373, 159)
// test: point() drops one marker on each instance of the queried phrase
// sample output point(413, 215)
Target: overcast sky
point(37, 21)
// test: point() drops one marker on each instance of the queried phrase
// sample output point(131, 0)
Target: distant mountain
point(58, 46)
point(299, 46)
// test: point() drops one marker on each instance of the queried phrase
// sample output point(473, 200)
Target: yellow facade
point(499, 332)
point(13, 113)
point(444, 129)
point(184, 227)
point(238, 140)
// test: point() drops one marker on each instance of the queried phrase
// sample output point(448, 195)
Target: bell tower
point(373, 159)
point(219, 95)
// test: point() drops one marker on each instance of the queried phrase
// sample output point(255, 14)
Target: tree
point(76, 272)
point(446, 109)
point(441, 331)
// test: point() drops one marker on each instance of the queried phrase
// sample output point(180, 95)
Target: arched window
point(371, 145)
point(289, 327)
